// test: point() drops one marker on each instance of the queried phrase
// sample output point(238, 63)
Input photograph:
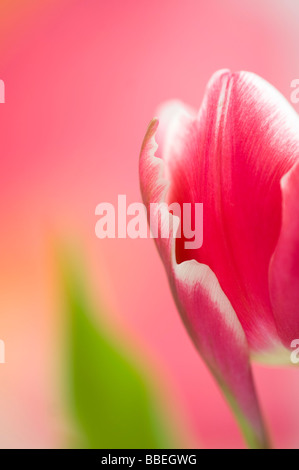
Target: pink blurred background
point(83, 79)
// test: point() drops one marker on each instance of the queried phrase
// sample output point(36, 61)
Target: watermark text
point(165, 221)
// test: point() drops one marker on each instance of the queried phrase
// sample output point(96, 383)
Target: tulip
point(238, 295)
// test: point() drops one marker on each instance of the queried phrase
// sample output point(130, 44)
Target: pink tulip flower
point(238, 294)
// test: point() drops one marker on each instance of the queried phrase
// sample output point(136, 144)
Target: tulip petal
point(284, 268)
point(206, 311)
point(244, 139)
point(175, 118)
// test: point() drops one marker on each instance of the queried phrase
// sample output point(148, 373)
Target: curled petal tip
point(151, 129)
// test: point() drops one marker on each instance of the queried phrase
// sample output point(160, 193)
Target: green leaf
point(111, 399)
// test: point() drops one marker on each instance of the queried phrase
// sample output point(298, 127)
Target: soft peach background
point(83, 79)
